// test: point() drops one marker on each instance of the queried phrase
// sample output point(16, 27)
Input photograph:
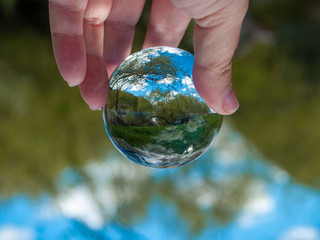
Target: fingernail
point(230, 101)
point(95, 109)
point(72, 84)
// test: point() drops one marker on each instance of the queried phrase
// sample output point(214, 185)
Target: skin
point(92, 37)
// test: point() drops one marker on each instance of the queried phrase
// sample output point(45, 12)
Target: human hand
point(92, 37)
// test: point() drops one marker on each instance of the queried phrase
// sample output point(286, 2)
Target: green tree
point(44, 125)
point(144, 106)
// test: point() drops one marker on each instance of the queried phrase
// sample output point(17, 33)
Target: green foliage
point(44, 125)
point(295, 26)
point(183, 107)
point(144, 105)
point(279, 110)
point(7, 6)
point(198, 132)
point(138, 71)
point(163, 106)
point(135, 136)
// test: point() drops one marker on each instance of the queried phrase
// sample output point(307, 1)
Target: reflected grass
point(196, 132)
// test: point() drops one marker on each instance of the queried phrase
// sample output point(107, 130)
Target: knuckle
point(95, 21)
point(69, 5)
point(97, 11)
point(222, 71)
point(216, 12)
point(219, 71)
point(120, 25)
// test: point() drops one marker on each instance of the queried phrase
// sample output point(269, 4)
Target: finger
point(66, 23)
point(167, 25)
point(94, 88)
point(216, 38)
point(119, 31)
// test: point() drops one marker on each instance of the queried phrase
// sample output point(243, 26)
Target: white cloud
point(257, 206)
point(280, 176)
point(78, 203)
point(206, 199)
point(301, 233)
point(11, 232)
point(98, 203)
point(232, 148)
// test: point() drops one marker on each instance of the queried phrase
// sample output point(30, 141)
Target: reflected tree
point(140, 69)
point(147, 65)
point(163, 106)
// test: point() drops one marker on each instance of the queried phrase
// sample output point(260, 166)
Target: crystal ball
point(154, 115)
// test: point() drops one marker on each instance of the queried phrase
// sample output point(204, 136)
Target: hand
point(91, 37)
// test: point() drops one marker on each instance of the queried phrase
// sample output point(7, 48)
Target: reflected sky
point(232, 193)
point(178, 80)
point(154, 116)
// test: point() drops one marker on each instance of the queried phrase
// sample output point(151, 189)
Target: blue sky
point(276, 207)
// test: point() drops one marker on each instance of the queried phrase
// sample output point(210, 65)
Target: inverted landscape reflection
point(230, 193)
point(154, 115)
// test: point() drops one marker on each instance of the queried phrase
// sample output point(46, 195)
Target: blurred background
point(61, 178)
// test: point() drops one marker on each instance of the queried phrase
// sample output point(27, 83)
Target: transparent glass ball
point(154, 116)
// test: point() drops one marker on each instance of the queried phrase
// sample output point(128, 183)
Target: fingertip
point(96, 96)
point(216, 90)
point(69, 51)
point(94, 89)
point(222, 103)
point(72, 73)
point(167, 25)
point(230, 102)
point(95, 108)
point(111, 66)
point(74, 78)
point(95, 101)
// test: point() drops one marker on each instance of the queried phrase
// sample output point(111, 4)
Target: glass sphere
point(154, 116)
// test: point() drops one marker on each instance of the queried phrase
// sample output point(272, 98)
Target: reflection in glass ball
point(154, 116)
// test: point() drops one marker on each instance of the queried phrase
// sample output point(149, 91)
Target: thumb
point(215, 41)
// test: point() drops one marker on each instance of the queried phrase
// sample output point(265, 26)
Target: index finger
point(66, 24)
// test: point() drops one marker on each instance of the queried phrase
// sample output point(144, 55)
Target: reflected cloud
point(187, 80)
point(179, 52)
point(166, 81)
point(148, 116)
